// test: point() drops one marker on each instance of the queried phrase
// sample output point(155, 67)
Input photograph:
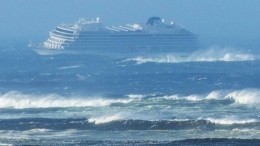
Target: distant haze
point(229, 19)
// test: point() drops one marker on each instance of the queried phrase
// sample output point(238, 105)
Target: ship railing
point(119, 28)
point(109, 28)
point(66, 28)
point(56, 42)
point(61, 39)
point(60, 36)
point(135, 26)
point(127, 28)
point(52, 46)
point(62, 32)
point(83, 21)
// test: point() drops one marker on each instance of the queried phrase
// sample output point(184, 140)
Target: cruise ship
point(92, 37)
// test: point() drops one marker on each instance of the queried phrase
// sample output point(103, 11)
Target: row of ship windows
point(129, 40)
point(133, 36)
point(62, 30)
point(120, 33)
point(129, 49)
point(55, 43)
point(135, 39)
point(141, 46)
point(62, 34)
point(133, 49)
point(123, 44)
point(128, 37)
point(135, 42)
point(125, 41)
point(54, 46)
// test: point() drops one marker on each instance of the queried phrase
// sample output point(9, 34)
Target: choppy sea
point(211, 97)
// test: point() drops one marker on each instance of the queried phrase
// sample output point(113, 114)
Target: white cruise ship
point(92, 37)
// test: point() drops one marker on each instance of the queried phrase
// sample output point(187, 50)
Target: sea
point(210, 97)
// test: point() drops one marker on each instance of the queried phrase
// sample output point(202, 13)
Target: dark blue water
point(209, 97)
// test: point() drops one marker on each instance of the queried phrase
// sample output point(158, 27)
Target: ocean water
point(210, 97)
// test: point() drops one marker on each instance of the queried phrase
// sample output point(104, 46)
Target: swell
point(83, 124)
point(19, 100)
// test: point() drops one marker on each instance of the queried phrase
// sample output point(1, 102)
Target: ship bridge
point(154, 21)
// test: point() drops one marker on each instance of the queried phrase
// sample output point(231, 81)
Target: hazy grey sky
point(222, 18)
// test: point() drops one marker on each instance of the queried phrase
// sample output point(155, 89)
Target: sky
point(235, 19)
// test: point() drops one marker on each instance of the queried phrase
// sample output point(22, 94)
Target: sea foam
point(179, 97)
point(221, 54)
point(212, 54)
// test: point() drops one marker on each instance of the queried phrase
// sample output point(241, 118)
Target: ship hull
point(44, 51)
point(109, 52)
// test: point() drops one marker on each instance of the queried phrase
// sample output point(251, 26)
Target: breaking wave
point(220, 121)
point(210, 55)
point(19, 100)
point(231, 120)
point(105, 119)
point(244, 96)
point(40, 124)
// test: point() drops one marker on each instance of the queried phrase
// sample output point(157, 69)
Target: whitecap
point(38, 130)
point(179, 97)
point(245, 96)
point(170, 58)
point(212, 54)
point(217, 95)
point(105, 119)
point(19, 100)
point(231, 121)
point(81, 77)
point(221, 54)
point(69, 67)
